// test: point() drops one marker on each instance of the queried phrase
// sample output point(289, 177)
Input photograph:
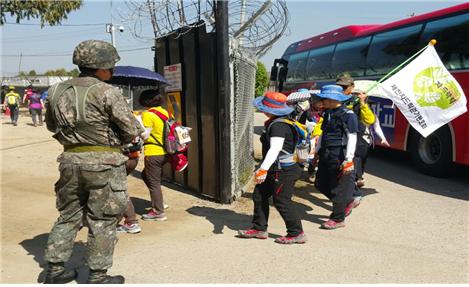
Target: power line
point(69, 25)
point(68, 54)
point(49, 36)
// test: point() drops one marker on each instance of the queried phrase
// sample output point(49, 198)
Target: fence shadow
point(221, 218)
point(303, 210)
point(35, 247)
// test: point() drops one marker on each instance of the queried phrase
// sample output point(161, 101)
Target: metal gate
point(220, 155)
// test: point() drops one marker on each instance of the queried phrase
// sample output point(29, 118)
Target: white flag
point(426, 93)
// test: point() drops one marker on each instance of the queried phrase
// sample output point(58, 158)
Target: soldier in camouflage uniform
point(92, 121)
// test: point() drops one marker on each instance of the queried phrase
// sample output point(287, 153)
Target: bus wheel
point(432, 155)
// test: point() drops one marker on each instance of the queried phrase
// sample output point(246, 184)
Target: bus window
point(350, 57)
point(296, 66)
point(319, 64)
point(452, 36)
point(389, 49)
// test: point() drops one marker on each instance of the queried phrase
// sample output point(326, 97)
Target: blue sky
point(51, 47)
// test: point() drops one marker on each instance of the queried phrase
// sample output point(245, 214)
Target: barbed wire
point(253, 24)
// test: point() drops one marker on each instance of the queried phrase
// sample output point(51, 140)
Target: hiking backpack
point(12, 100)
point(176, 137)
point(302, 141)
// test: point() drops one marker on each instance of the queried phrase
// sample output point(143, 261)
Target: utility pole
point(111, 29)
point(224, 97)
point(19, 65)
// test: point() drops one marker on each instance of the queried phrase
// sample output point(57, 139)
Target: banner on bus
point(426, 93)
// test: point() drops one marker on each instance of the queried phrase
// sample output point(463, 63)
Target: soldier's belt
point(88, 148)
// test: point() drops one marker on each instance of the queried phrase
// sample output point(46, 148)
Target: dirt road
point(410, 228)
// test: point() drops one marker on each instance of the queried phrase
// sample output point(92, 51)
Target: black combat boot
point(56, 274)
point(100, 277)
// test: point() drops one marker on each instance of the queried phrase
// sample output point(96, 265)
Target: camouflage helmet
point(95, 54)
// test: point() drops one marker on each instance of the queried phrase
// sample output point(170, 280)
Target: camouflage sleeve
point(121, 116)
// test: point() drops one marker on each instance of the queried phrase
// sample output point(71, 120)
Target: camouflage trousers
point(88, 195)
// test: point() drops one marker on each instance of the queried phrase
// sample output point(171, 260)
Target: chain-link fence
point(243, 76)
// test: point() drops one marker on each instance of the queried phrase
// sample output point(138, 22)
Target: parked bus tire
point(432, 155)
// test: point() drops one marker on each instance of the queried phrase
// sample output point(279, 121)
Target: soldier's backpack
point(302, 143)
point(176, 137)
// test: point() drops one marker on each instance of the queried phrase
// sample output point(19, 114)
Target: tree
point(32, 73)
point(74, 73)
point(59, 72)
point(262, 80)
point(51, 12)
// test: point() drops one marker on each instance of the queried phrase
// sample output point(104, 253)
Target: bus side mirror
point(274, 73)
point(282, 74)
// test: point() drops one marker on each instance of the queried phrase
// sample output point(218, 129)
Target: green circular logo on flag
point(434, 86)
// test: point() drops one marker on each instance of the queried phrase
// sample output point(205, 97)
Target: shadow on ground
point(397, 167)
point(221, 218)
point(141, 205)
point(35, 247)
point(306, 205)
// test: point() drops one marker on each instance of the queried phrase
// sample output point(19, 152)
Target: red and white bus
point(371, 51)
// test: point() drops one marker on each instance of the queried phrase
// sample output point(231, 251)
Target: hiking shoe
point(356, 201)
point(154, 216)
point(331, 224)
point(349, 207)
point(287, 239)
point(129, 228)
point(361, 183)
point(252, 233)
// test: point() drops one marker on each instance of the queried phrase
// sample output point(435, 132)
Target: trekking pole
point(385, 77)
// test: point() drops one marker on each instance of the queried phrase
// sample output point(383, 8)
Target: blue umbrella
point(136, 76)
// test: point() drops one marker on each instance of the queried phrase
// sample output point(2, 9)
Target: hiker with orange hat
point(278, 172)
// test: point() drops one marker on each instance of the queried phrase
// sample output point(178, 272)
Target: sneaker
point(349, 207)
point(287, 239)
point(165, 206)
point(331, 224)
point(356, 201)
point(154, 216)
point(252, 233)
point(361, 183)
point(129, 228)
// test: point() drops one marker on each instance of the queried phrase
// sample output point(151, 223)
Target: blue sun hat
point(333, 92)
point(273, 103)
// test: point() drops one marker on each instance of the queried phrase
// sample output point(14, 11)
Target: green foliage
point(74, 73)
point(61, 72)
point(48, 11)
point(262, 80)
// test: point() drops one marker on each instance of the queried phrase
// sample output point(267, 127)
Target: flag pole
point(385, 77)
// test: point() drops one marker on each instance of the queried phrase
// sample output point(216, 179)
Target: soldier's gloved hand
point(260, 175)
point(347, 167)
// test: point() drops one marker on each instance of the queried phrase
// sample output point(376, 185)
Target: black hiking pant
point(280, 186)
point(338, 187)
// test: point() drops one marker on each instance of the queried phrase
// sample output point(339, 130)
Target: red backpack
point(171, 140)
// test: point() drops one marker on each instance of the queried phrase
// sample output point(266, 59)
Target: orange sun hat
point(273, 103)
